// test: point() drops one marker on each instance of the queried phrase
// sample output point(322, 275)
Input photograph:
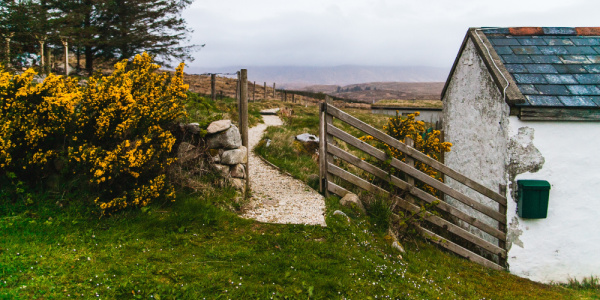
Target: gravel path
point(276, 197)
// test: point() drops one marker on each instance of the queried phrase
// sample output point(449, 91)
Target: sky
point(360, 32)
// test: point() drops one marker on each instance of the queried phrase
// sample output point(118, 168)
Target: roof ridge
point(554, 31)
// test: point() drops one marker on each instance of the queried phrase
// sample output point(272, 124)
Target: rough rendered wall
point(475, 122)
point(567, 243)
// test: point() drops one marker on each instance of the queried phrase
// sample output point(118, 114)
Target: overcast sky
point(360, 32)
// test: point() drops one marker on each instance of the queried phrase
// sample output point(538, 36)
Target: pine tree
point(133, 26)
point(108, 29)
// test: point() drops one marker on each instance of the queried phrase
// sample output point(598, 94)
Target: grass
point(197, 247)
point(409, 103)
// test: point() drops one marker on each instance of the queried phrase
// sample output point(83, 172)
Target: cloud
point(364, 32)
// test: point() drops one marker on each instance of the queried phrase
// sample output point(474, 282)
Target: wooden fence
point(457, 239)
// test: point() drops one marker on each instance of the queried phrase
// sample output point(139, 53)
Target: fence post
point(409, 160)
point(322, 149)
point(328, 140)
point(273, 89)
point(265, 97)
point(502, 227)
point(244, 122)
point(293, 98)
point(213, 90)
point(237, 91)
point(254, 92)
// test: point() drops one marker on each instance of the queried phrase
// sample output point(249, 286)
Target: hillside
point(226, 87)
point(297, 77)
point(374, 91)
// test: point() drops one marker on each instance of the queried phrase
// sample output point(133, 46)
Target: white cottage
point(524, 103)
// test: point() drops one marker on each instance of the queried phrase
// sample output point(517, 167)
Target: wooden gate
point(489, 254)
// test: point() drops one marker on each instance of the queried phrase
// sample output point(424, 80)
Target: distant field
point(409, 103)
point(374, 91)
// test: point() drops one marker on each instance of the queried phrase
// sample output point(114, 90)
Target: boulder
point(238, 171)
point(235, 156)
point(222, 169)
point(309, 142)
point(341, 213)
point(218, 126)
point(351, 200)
point(395, 242)
point(396, 245)
point(307, 138)
point(238, 184)
point(193, 128)
point(228, 139)
point(186, 152)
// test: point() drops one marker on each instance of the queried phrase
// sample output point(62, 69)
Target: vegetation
point(409, 103)
point(112, 135)
point(106, 29)
point(55, 247)
point(473, 285)
point(425, 140)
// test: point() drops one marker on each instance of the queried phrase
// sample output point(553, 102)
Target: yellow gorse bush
point(114, 131)
point(427, 142)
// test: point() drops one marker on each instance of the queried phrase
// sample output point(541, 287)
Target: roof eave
point(496, 68)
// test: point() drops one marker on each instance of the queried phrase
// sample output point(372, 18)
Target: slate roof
point(552, 66)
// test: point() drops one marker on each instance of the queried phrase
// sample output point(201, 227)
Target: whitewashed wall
point(567, 243)
point(475, 122)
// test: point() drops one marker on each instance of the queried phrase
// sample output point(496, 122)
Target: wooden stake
point(409, 160)
point(254, 92)
point(273, 89)
point(265, 91)
point(213, 90)
point(244, 122)
point(329, 139)
point(502, 227)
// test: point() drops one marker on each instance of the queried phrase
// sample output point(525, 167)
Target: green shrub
point(114, 131)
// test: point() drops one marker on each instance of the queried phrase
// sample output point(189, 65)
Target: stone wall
point(229, 157)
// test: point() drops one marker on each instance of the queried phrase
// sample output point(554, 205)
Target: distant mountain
point(295, 77)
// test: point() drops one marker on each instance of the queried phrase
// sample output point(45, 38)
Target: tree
point(156, 27)
point(108, 29)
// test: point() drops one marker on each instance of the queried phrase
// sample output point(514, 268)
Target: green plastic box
point(533, 198)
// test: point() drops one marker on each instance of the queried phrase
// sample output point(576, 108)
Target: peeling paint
point(514, 233)
point(523, 156)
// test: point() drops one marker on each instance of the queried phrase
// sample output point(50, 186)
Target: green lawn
point(197, 247)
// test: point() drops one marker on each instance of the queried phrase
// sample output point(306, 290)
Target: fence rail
point(328, 171)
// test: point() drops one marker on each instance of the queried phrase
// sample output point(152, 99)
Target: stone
point(218, 126)
point(228, 139)
point(235, 156)
point(307, 138)
point(309, 142)
point(351, 200)
point(238, 171)
point(238, 184)
point(222, 169)
point(397, 246)
point(341, 213)
point(193, 128)
point(186, 152)
point(396, 243)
